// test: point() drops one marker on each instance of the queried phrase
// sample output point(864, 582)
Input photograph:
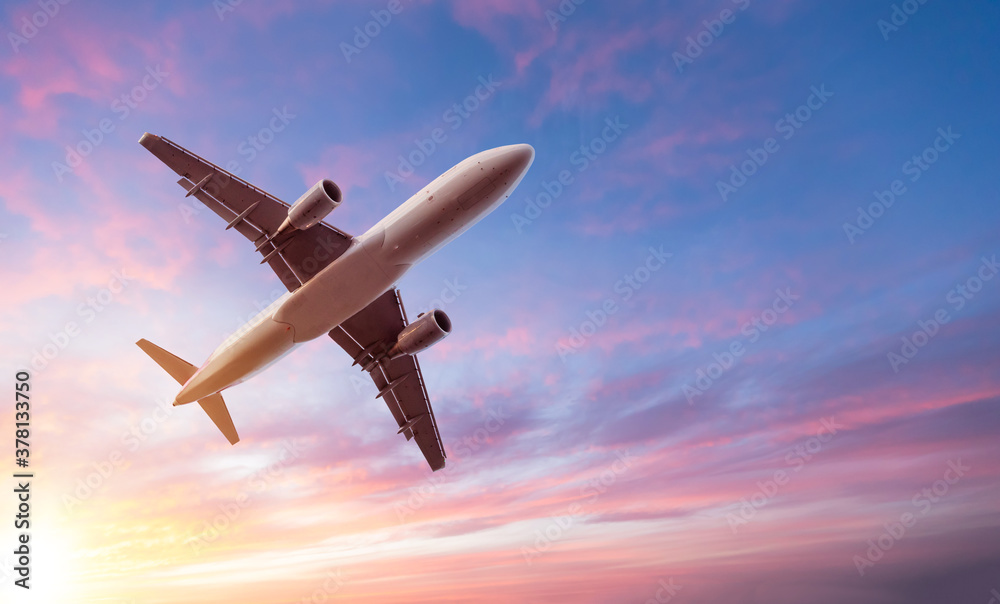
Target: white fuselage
point(373, 263)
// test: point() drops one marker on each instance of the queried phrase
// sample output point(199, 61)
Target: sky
point(732, 339)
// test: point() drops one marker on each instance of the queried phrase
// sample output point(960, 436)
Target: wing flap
point(245, 228)
point(399, 381)
point(252, 212)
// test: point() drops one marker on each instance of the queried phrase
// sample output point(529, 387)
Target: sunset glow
point(733, 339)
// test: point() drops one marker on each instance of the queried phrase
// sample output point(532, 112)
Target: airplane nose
point(520, 157)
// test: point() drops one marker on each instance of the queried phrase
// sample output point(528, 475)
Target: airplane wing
point(295, 256)
point(399, 381)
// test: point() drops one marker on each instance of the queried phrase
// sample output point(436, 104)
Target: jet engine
point(315, 204)
point(420, 335)
point(307, 211)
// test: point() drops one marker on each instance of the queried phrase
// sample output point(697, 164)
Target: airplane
point(338, 285)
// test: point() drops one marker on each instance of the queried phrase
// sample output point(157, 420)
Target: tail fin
point(181, 370)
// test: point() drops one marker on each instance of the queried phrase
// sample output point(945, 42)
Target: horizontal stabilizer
point(178, 368)
point(216, 409)
point(181, 370)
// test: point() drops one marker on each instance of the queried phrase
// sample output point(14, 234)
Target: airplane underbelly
point(431, 219)
point(243, 357)
point(336, 294)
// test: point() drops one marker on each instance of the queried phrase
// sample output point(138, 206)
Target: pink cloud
point(350, 166)
point(590, 68)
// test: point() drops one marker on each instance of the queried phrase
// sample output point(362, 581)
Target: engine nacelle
point(420, 335)
point(315, 204)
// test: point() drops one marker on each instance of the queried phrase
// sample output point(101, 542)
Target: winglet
point(147, 140)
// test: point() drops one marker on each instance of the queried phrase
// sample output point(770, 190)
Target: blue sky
point(817, 308)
